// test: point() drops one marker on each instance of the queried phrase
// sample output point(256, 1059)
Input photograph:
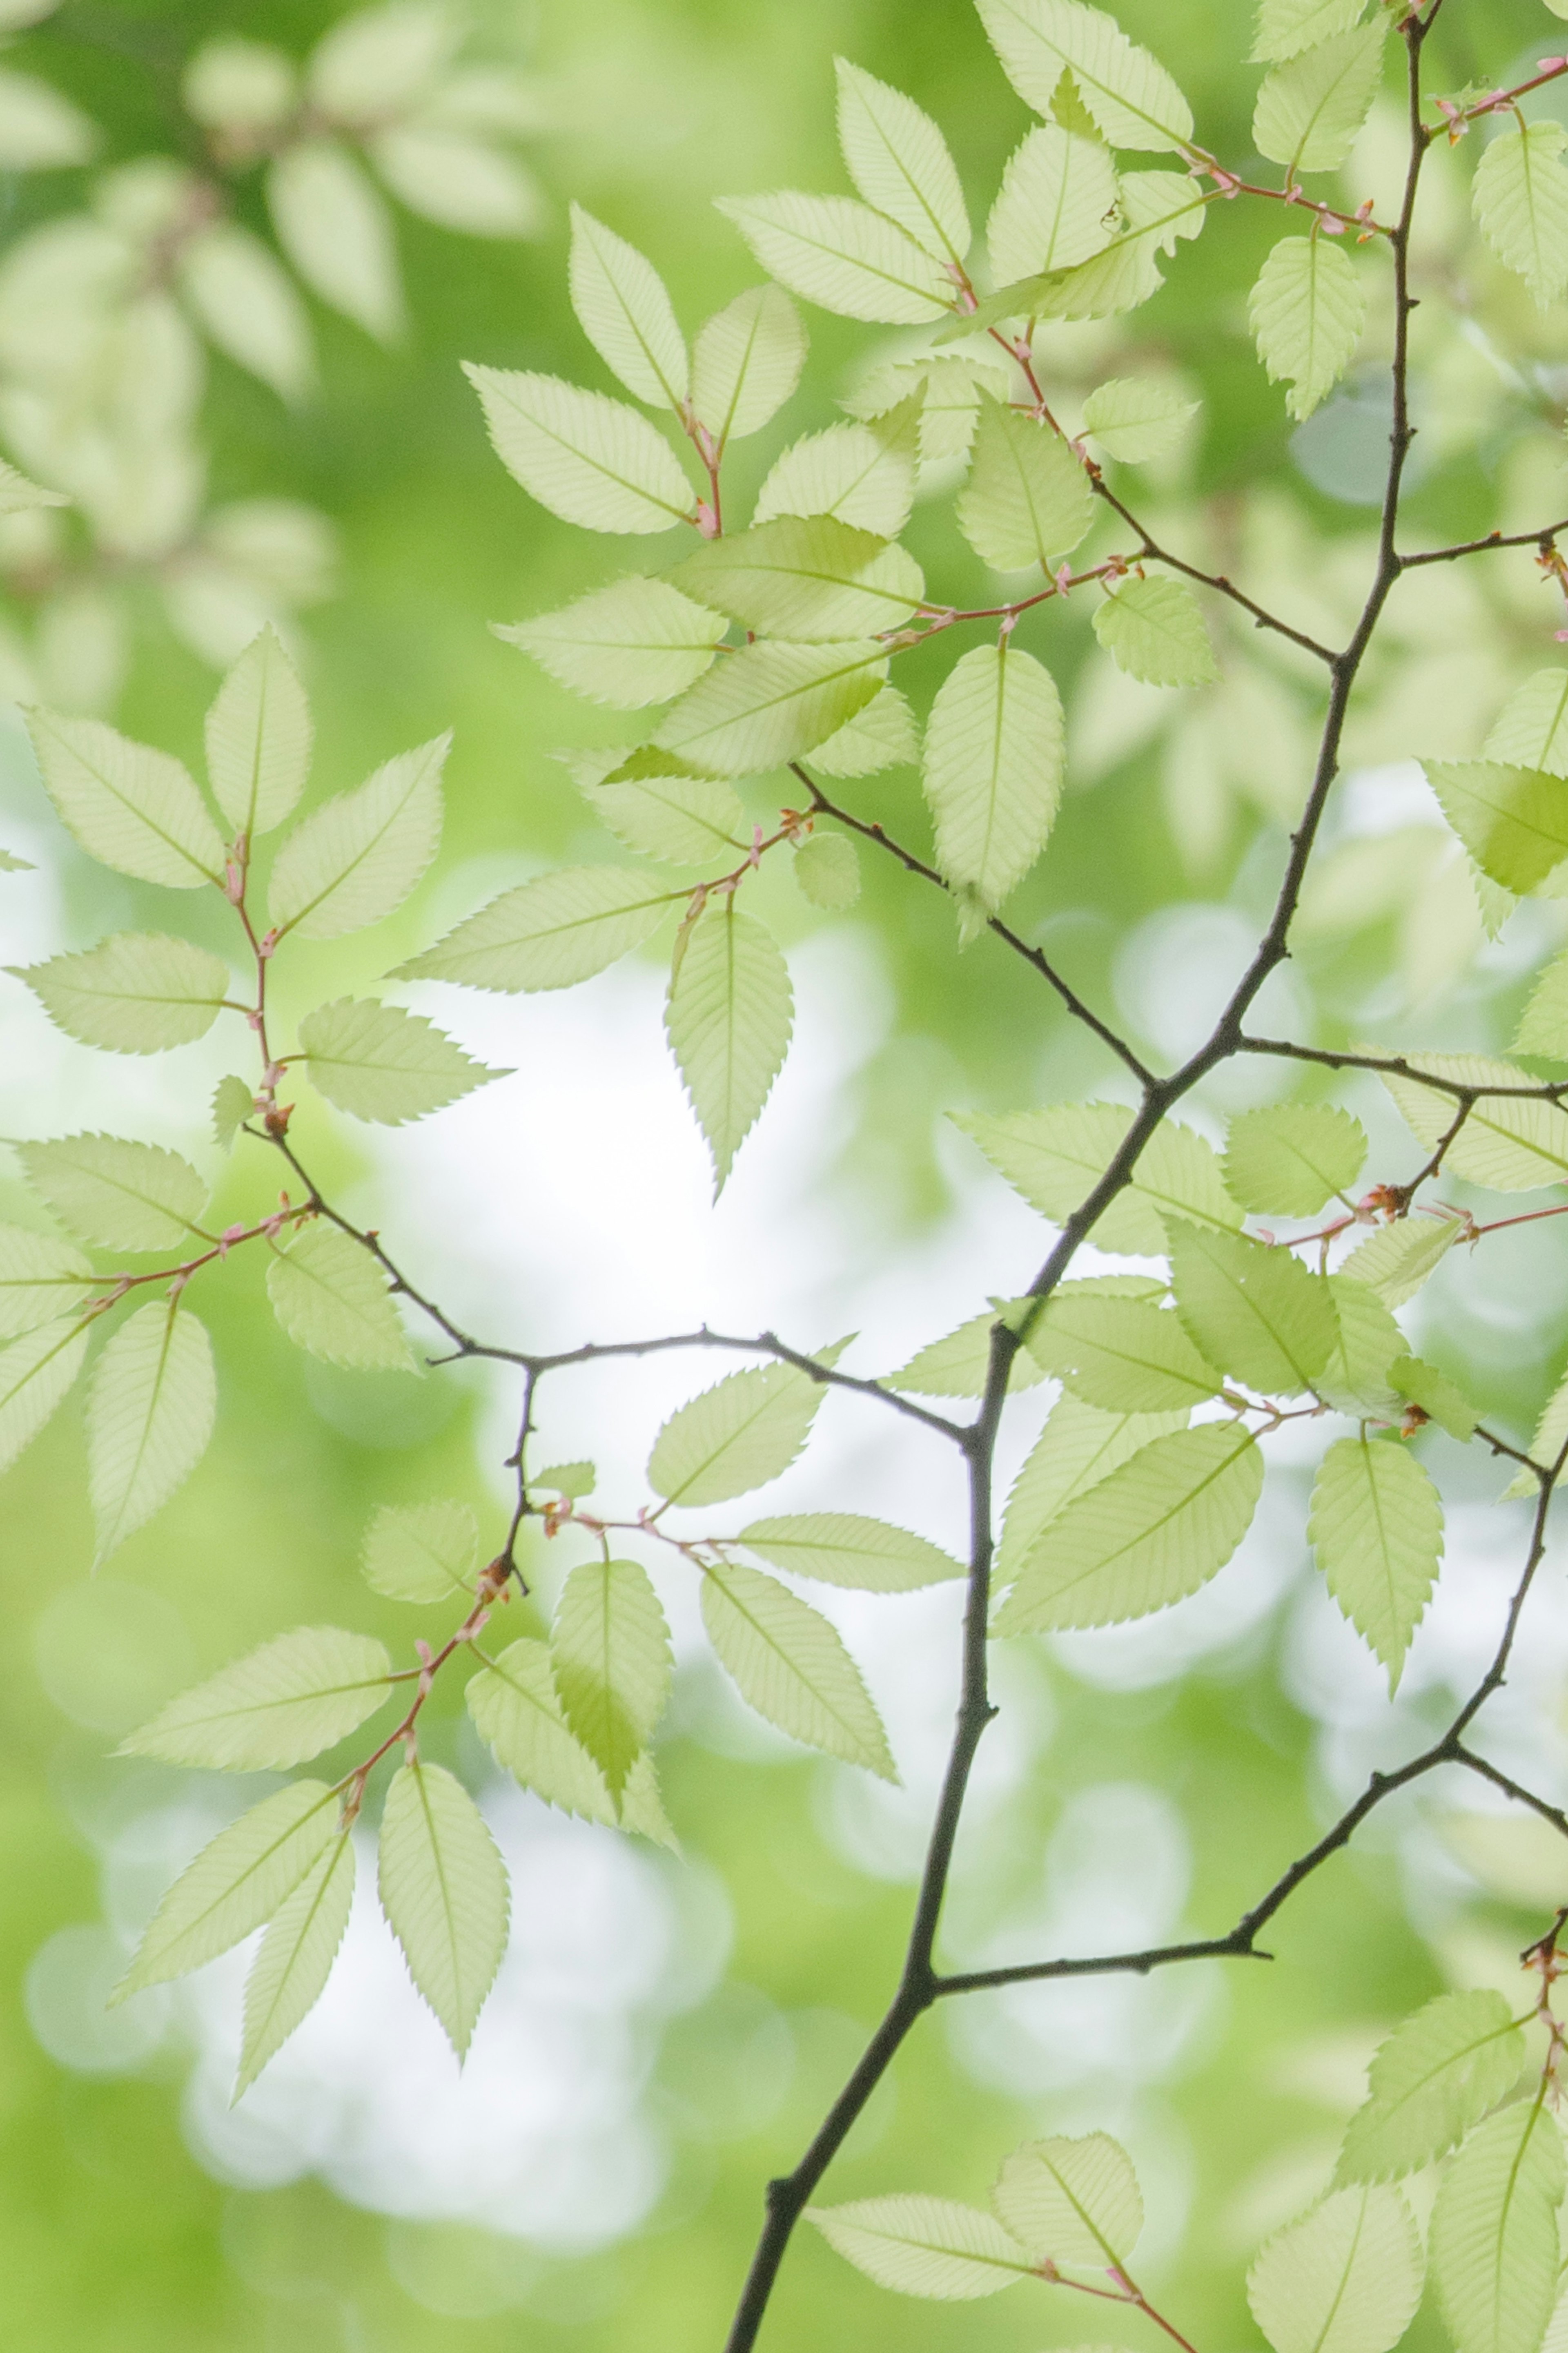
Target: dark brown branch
point(1151, 551)
point(1542, 540)
point(1396, 1066)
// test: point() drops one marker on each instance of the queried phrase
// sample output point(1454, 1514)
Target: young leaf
point(1056, 1158)
point(1376, 1526)
point(743, 1432)
point(421, 1551)
point(550, 933)
point(1513, 821)
point(1077, 1448)
point(137, 993)
point(355, 861)
point(233, 1103)
point(1154, 1531)
point(1310, 109)
point(1307, 311)
point(149, 1413)
point(843, 256)
point(133, 1197)
point(843, 1549)
point(590, 460)
point(898, 161)
point(1543, 1024)
point(296, 1695)
point(1129, 93)
point(1125, 1355)
point(925, 2246)
point(443, 1888)
point(635, 642)
point(133, 808)
point(1259, 1313)
point(864, 474)
point(1519, 196)
point(236, 1882)
point(959, 1363)
point(1057, 204)
point(1531, 729)
point(513, 1703)
point(1509, 1144)
point(382, 1064)
point(247, 303)
point(1393, 1262)
point(1157, 208)
point(883, 735)
point(1286, 26)
point(335, 229)
point(11, 864)
point(789, 1664)
point(40, 1279)
point(1494, 2248)
point(610, 1653)
point(573, 1479)
point(36, 1372)
point(1439, 1398)
point(625, 313)
point(1154, 630)
point(1027, 499)
point(683, 820)
point(1551, 1438)
point(1346, 2278)
point(768, 704)
point(806, 577)
point(332, 1298)
point(728, 1019)
point(950, 393)
point(745, 364)
point(1288, 1159)
point(1134, 417)
point(294, 1959)
point(1071, 2201)
point(259, 738)
point(828, 872)
point(1436, 2075)
point(993, 774)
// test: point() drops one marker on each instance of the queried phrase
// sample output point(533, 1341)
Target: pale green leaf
point(1436, 2074)
point(1157, 210)
point(1376, 1526)
point(356, 859)
point(1345, 2278)
point(1288, 1159)
point(1519, 195)
point(625, 313)
point(550, 933)
point(259, 738)
point(828, 872)
point(590, 460)
point(1129, 93)
point(1285, 27)
point(1355, 1378)
point(294, 1959)
point(133, 1197)
point(1494, 2245)
point(728, 1019)
point(457, 180)
point(1152, 628)
point(1057, 204)
point(958, 1364)
point(883, 735)
point(635, 642)
point(11, 864)
point(1259, 1313)
point(1125, 1355)
point(40, 1279)
point(949, 390)
point(807, 577)
point(335, 228)
point(134, 808)
point(1133, 417)
point(899, 163)
point(380, 1064)
point(136, 993)
point(296, 1695)
point(236, 1882)
point(443, 1887)
point(573, 1479)
point(1513, 821)
point(788, 1663)
point(331, 1297)
point(1307, 311)
point(610, 1654)
point(768, 704)
point(1027, 499)
point(1544, 1025)
point(1056, 1158)
point(17, 494)
point(1551, 1438)
point(421, 1551)
point(843, 256)
point(1531, 729)
point(233, 1101)
point(247, 305)
point(925, 2246)
point(149, 1413)
point(513, 1703)
point(1439, 1398)
point(844, 1548)
point(36, 1372)
point(683, 820)
point(1397, 1260)
point(993, 774)
point(1310, 108)
point(864, 474)
point(1509, 1144)
point(744, 1431)
point(1071, 2201)
point(1077, 1448)
point(745, 364)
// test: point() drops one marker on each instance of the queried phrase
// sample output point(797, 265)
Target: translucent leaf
point(1493, 2241)
point(898, 161)
point(1057, 1156)
point(296, 1695)
point(1439, 1398)
point(1153, 629)
point(355, 861)
point(1286, 26)
point(421, 1551)
point(925, 2246)
point(1346, 2278)
point(1077, 1448)
point(1356, 1378)
point(789, 1664)
point(1307, 311)
point(17, 495)
point(1436, 2075)
point(635, 642)
point(728, 1019)
point(233, 84)
point(136, 809)
point(337, 232)
point(1376, 1526)
point(550, 933)
point(1543, 1024)
point(245, 303)
point(807, 578)
point(610, 1653)
point(380, 1064)
point(1129, 93)
point(233, 1103)
point(950, 392)
point(745, 364)
point(768, 704)
point(993, 774)
point(445, 173)
point(1397, 1260)
point(137, 993)
point(1057, 204)
point(1125, 1355)
point(843, 256)
point(959, 1363)
point(11, 864)
point(574, 1479)
point(1310, 109)
point(1154, 1531)
point(1134, 417)
point(513, 1703)
point(39, 1279)
point(149, 1413)
point(237, 1882)
point(1519, 195)
point(294, 1959)
point(36, 1372)
point(1531, 729)
point(380, 60)
point(332, 1298)
point(1259, 1313)
point(590, 460)
point(259, 738)
point(1513, 821)
point(685, 820)
point(744, 1431)
point(40, 130)
point(443, 1887)
point(1072, 2201)
point(1510, 1144)
point(844, 1548)
point(883, 735)
point(864, 474)
point(1288, 1159)
point(134, 1197)
point(1158, 208)
point(625, 313)
point(828, 872)
point(1027, 499)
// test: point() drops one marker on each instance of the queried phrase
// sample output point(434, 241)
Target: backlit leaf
point(1056, 1158)
point(380, 1064)
point(331, 1297)
point(1519, 195)
point(843, 256)
point(259, 738)
point(864, 474)
point(459, 180)
point(590, 460)
point(728, 1019)
point(1257, 1313)
point(1433, 2078)
point(284, 1702)
point(1513, 821)
point(1494, 2245)
point(1134, 417)
point(355, 861)
point(925, 2246)
point(625, 313)
point(1153, 629)
point(1376, 1526)
point(550, 933)
point(635, 642)
point(40, 1279)
point(1027, 499)
point(1077, 1448)
point(1355, 1378)
point(1307, 311)
point(1439, 1398)
point(1543, 1024)
point(36, 1372)
point(443, 1887)
point(233, 1103)
point(1129, 93)
point(421, 1551)
point(294, 1959)
point(770, 703)
point(959, 1364)
point(138, 993)
point(237, 1881)
point(1531, 729)
point(1055, 207)
point(1125, 1355)
point(806, 577)
point(1507, 1143)
point(1346, 2278)
point(684, 820)
point(993, 774)
point(740, 1434)
point(136, 809)
point(125, 1196)
point(513, 1703)
point(149, 1413)
point(245, 302)
point(883, 735)
point(789, 1664)
point(898, 161)
point(1072, 2201)
point(845, 1548)
point(1310, 108)
point(336, 230)
point(1288, 1159)
point(745, 364)
point(610, 1653)
point(1396, 1261)
point(1285, 27)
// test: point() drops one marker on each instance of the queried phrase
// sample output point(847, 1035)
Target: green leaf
point(828, 872)
point(950, 392)
point(382, 1064)
point(1513, 821)
point(1287, 26)
point(1288, 1159)
point(443, 1888)
point(36, 1372)
point(136, 993)
point(1158, 208)
point(133, 808)
point(992, 775)
point(1307, 311)
point(1125, 1355)
point(743, 1432)
point(1056, 1158)
point(625, 313)
point(684, 820)
point(40, 1279)
point(864, 474)
point(843, 1549)
point(1376, 1526)
point(573, 1479)
point(1154, 1531)
point(1027, 499)
point(745, 364)
point(843, 256)
point(923, 2246)
point(883, 735)
point(1519, 196)
point(1531, 729)
point(513, 1703)
point(635, 642)
point(898, 161)
point(788, 1663)
point(1355, 1378)
point(1346, 2278)
point(332, 1298)
point(149, 1413)
point(1544, 1025)
point(1494, 2247)
point(1153, 629)
point(1310, 109)
point(1134, 417)
point(807, 578)
point(355, 861)
point(1433, 2078)
point(336, 230)
point(728, 1019)
point(958, 1364)
point(768, 704)
point(16, 492)
point(1077, 1448)
point(1259, 1312)
point(1071, 2201)
point(295, 1959)
point(590, 460)
point(1550, 1438)
point(296, 1695)
point(237, 1882)
point(610, 1653)
point(1397, 1260)
point(11, 864)
point(1129, 93)
point(133, 1197)
point(550, 933)
point(259, 738)
point(233, 1103)
point(1438, 1398)
point(1057, 204)
point(1511, 1144)
point(421, 1551)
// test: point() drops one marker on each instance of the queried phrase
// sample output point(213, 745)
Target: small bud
point(707, 521)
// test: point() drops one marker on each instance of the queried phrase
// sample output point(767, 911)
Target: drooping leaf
point(40, 1279)
point(1288, 1159)
point(1071, 2201)
point(513, 1703)
point(356, 859)
point(1027, 499)
point(1355, 1380)
point(1436, 2075)
point(1153, 629)
point(1257, 1313)
point(843, 256)
point(809, 578)
point(237, 1881)
point(959, 1363)
point(828, 872)
point(635, 642)
point(883, 735)
point(1376, 1526)
point(1285, 27)
point(1519, 195)
point(331, 1297)
point(1056, 1158)
point(789, 1664)
point(137, 993)
point(610, 1653)
point(133, 808)
point(1507, 1142)
point(1134, 417)
point(728, 1019)
point(1312, 107)
point(149, 1413)
point(294, 1959)
point(259, 738)
point(1129, 93)
point(1394, 1263)
point(1077, 1448)
point(993, 774)
point(1307, 311)
point(421, 1551)
point(745, 364)
point(335, 229)
point(36, 1372)
point(443, 1887)
point(864, 474)
point(899, 162)
point(550, 933)
point(125, 1196)
point(1494, 2245)
point(770, 703)
point(296, 1695)
point(845, 1548)
point(382, 1064)
point(1439, 1398)
point(625, 313)
point(923, 2246)
point(1125, 1355)
point(1513, 821)
point(683, 820)
point(233, 1103)
point(740, 1434)
point(1346, 2278)
point(1057, 204)
point(590, 460)
point(574, 1479)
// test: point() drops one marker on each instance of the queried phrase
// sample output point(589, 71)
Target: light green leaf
point(1509, 1144)
point(635, 642)
point(1513, 821)
point(1551, 1438)
point(1531, 729)
point(573, 1479)
point(743, 1432)
point(1544, 1025)
point(296, 1695)
point(40, 1279)
point(355, 861)
point(745, 364)
point(233, 1103)
point(828, 872)
point(898, 161)
point(1056, 1158)
point(883, 735)
point(1355, 1378)
point(1494, 2246)
point(247, 305)
point(993, 774)
point(335, 228)
point(421, 1551)
point(136, 993)
point(1154, 1531)
point(36, 1372)
point(610, 1654)
point(1346, 2278)
point(958, 1364)
point(590, 460)
point(843, 1549)
point(1288, 1159)
point(11, 864)
point(295, 1959)
point(864, 474)
point(843, 256)
point(949, 391)
point(126, 1195)
point(1259, 1312)
point(149, 1413)
point(1134, 417)
point(1125, 1355)
point(810, 578)
point(1397, 1260)
point(237, 1882)
point(1077, 1448)
point(1157, 208)
point(1129, 93)
point(788, 1663)
point(1376, 1526)
point(1153, 629)
point(625, 313)
point(1071, 2201)
point(1439, 1398)
point(17, 494)
point(925, 2246)
point(380, 1064)
point(728, 1019)
point(332, 1298)
point(768, 704)
point(1286, 26)
point(1307, 311)
point(133, 808)
point(684, 820)
point(259, 738)
point(1310, 109)
point(550, 933)
point(1057, 204)
point(513, 1703)
point(1435, 2076)
point(1027, 499)
point(1519, 196)
point(444, 1890)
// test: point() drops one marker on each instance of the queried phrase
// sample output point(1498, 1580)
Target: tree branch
point(1152, 553)
point(1543, 539)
